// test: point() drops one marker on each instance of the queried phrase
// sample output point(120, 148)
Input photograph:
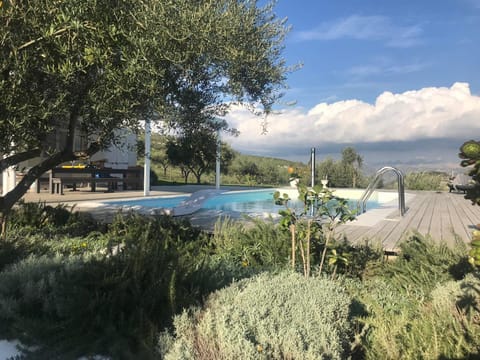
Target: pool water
point(248, 202)
point(154, 203)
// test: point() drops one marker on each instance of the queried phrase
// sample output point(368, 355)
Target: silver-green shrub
point(443, 325)
point(283, 316)
point(448, 326)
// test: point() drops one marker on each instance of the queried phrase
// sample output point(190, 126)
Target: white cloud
point(365, 28)
point(428, 113)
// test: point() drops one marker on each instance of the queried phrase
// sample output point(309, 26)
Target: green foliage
point(38, 215)
point(112, 291)
point(408, 311)
point(71, 70)
point(470, 153)
point(422, 264)
point(345, 172)
point(257, 247)
point(444, 326)
point(282, 316)
point(474, 253)
point(425, 180)
point(111, 300)
point(196, 153)
point(40, 218)
point(314, 224)
point(355, 261)
point(352, 162)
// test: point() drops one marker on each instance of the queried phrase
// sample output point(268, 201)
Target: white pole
point(217, 165)
point(9, 178)
point(146, 169)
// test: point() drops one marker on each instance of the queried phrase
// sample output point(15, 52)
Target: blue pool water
point(248, 202)
point(159, 202)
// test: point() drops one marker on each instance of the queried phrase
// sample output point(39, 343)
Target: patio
point(444, 216)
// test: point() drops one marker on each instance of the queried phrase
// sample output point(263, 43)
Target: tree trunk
point(292, 232)
point(3, 221)
point(12, 197)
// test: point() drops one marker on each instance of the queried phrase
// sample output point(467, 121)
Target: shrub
point(111, 302)
point(39, 218)
point(37, 215)
point(360, 261)
point(259, 246)
point(425, 181)
point(43, 302)
point(411, 310)
point(448, 326)
point(385, 313)
point(20, 246)
point(445, 327)
point(422, 264)
point(39, 229)
point(284, 316)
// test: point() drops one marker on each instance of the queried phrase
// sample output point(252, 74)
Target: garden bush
point(40, 229)
point(261, 245)
point(422, 264)
point(112, 291)
point(411, 310)
point(283, 316)
point(39, 218)
point(444, 326)
point(425, 181)
point(44, 302)
point(110, 301)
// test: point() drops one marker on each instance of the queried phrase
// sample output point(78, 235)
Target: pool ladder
point(362, 203)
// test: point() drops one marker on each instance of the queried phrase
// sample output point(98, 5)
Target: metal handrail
point(362, 203)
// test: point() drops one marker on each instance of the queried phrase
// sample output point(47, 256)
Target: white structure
point(120, 156)
point(8, 180)
point(146, 168)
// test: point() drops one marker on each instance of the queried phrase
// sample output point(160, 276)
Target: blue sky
point(368, 64)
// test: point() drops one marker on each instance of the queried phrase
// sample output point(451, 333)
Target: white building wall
point(8, 180)
point(120, 156)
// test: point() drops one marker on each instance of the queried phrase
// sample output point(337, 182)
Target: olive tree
point(71, 69)
point(352, 162)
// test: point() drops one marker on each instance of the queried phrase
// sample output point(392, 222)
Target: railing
point(362, 203)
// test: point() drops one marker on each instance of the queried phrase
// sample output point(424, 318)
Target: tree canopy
point(71, 67)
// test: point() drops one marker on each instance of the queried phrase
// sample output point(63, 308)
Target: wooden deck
point(443, 216)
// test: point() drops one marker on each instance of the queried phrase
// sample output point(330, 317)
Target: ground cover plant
point(150, 287)
point(270, 316)
point(423, 305)
point(106, 293)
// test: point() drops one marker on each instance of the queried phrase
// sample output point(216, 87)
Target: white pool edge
point(388, 201)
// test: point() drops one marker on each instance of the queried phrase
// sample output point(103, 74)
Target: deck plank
point(459, 227)
point(442, 216)
point(407, 224)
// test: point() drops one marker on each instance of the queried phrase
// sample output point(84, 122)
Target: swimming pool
point(247, 202)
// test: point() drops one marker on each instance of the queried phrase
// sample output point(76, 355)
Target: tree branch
point(14, 159)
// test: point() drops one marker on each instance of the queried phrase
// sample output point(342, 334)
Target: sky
point(397, 80)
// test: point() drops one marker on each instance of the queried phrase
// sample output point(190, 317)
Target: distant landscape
point(252, 170)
